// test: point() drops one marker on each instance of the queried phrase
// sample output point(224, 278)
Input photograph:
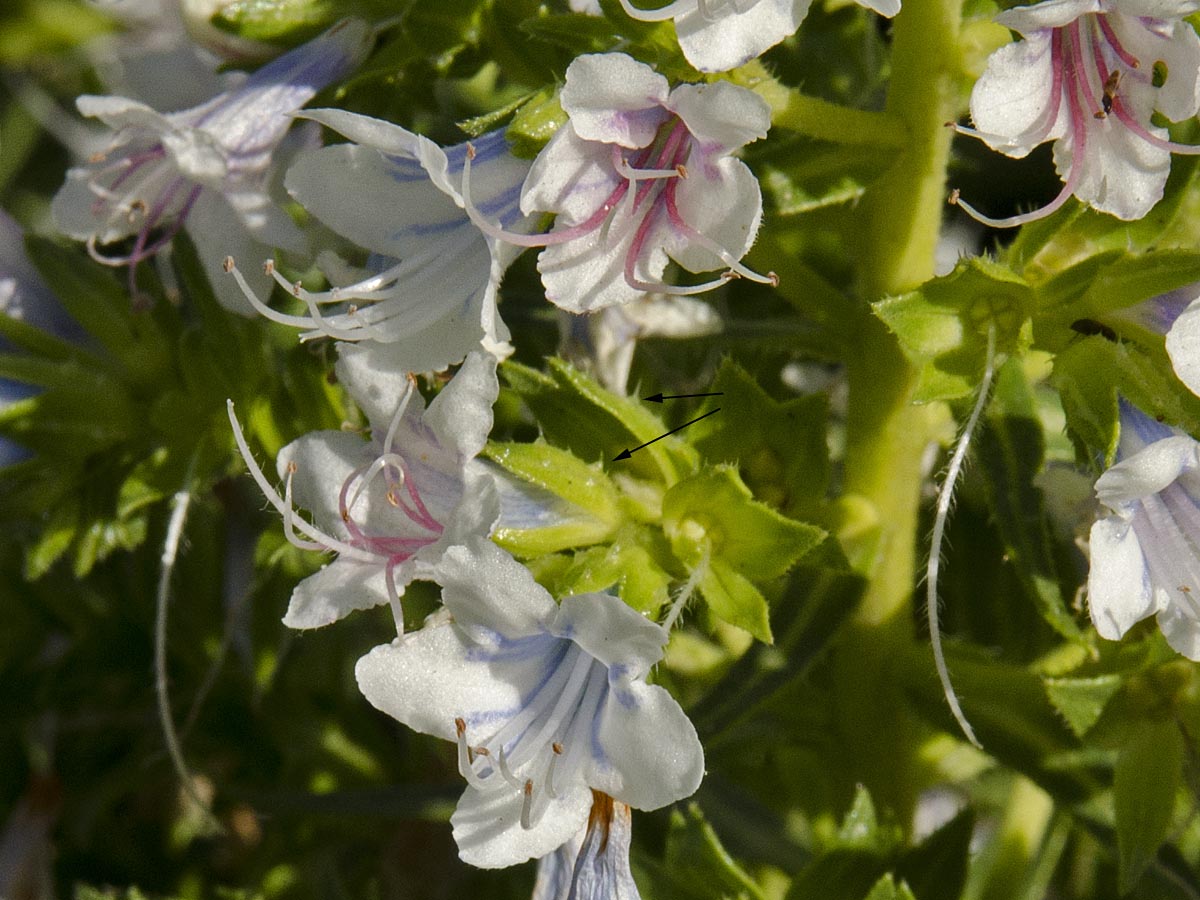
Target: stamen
point(505, 772)
point(289, 528)
point(1126, 118)
point(558, 751)
point(465, 763)
point(328, 542)
point(735, 265)
point(621, 164)
point(546, 239)
point(1113, 41)
point(527, 806)
point(670, 11)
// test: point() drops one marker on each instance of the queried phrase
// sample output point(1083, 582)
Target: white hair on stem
point(945, 496)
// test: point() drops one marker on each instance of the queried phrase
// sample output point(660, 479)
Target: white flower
point(1084, 77)
point(1177, 313)
point(391, 506)
point(430, 289)
point(594, 865)
point(546, 703)
point(1145, 554)
point(205, 167)
point(640, 174)
point(718, 35)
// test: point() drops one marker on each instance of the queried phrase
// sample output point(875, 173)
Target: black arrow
point(659, 398)
point(625, 454)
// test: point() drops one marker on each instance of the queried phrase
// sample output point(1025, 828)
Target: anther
point(269, 267)
point(297, 288)
point(392, 498)
point(470, 151)
point(227, 265)
point(953, 198)
point(682, 170)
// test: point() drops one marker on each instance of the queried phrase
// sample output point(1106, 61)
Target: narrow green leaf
point(1148, 775)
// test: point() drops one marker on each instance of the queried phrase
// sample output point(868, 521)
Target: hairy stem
point(888, 437)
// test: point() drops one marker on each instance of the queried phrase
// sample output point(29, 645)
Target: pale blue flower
point(1145, 553)
point(429, 286)
point(206, 167)
point(546, 702)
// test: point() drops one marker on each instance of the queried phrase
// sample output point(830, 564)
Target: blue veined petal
point(1145, 555)
point(253, 118)
point(594, 865)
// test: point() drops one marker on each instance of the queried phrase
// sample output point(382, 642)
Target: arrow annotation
point(625, 454)
point(659, 398)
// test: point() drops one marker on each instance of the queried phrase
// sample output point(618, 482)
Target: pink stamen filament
point(1079, 83)
point(327, 542)
point(655, 177)
point(1110, 37)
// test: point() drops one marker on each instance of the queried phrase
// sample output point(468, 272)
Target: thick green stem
point(827, 121)
point(887, 436)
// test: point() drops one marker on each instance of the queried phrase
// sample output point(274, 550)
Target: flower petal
point(1119, 589)
point(338, 589)
point(611, 631)
point(610, 97)
point(722, 116)
point(1148, 471)
point(1183, 347)
point(431, 677)
point(484, 587)
point(487, 825)
point(651, 755)
point(461, 414)
point(725, 41)
point(1181, 630)
point(1009, 101)
point(722, 201)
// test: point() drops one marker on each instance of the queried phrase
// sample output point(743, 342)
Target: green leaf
point(936, 868)
point(696, 865)
point(1081, 701)
point(535, 122)
point(943, 325)
point(714, 511)
point(1103, 288)
point(779, 447)
point(583, 505)
point(277, 20)
point(632, 562)
point(576, 413)
point(733, 598)
point(1091, 373)
point(808, 175)
point(839, 875)
point(1148, 775)
point(860, 828)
